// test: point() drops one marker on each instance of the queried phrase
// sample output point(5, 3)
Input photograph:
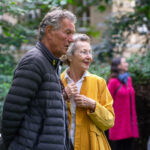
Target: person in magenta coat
point(122, 91)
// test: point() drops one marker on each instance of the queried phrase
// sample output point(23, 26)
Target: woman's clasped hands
point(80, 100)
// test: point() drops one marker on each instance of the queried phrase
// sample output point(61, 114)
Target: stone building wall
point(98, 19)
point(134, 41)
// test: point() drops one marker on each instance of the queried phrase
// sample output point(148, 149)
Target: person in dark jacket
point(34, 113)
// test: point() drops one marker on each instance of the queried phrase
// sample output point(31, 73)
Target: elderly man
point(34, 113)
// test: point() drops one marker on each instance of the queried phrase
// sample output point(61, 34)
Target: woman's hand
point(84, 102)
point(71, 90)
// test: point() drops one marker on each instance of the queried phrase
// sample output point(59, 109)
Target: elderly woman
point(89, 101)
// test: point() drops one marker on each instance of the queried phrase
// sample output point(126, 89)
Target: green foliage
point(7, 64)
point(14, 35)
point(89, 3)
point(101, 8)
point(28, 14)
point(139, 68)
point(128, 23)
point(11, 7)
point(100, 69)
point(93, 32)
point(5, 81)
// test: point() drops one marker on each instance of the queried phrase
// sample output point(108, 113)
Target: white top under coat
point(73, 104)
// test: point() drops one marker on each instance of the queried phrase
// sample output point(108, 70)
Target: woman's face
point(82, 56)
point(123, 66)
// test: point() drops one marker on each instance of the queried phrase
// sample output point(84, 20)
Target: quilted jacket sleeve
point(103, 117)
point(24, 86)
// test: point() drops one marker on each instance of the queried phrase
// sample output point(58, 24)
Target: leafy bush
point(5, 82)
point(7, 64)
point(102, 70)
point(139, 68)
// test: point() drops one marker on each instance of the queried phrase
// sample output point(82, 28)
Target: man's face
point(62, 37)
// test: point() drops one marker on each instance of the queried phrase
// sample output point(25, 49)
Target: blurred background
point(116, 28)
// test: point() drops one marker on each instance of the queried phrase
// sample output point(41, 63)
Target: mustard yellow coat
point(90, 127)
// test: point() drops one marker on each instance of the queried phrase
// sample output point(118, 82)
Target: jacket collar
point(64, 78)
point(86, 73)
point(51, 58)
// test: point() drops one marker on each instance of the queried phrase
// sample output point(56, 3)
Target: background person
point(122, 91)
point(34, 113)
point(90, 105)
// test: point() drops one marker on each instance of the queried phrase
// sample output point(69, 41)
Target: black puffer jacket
point(34, 114)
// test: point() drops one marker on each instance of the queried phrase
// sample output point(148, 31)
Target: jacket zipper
point(58, 77)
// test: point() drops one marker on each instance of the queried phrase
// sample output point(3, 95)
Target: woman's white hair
point(77, 37)
point(70, 52)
